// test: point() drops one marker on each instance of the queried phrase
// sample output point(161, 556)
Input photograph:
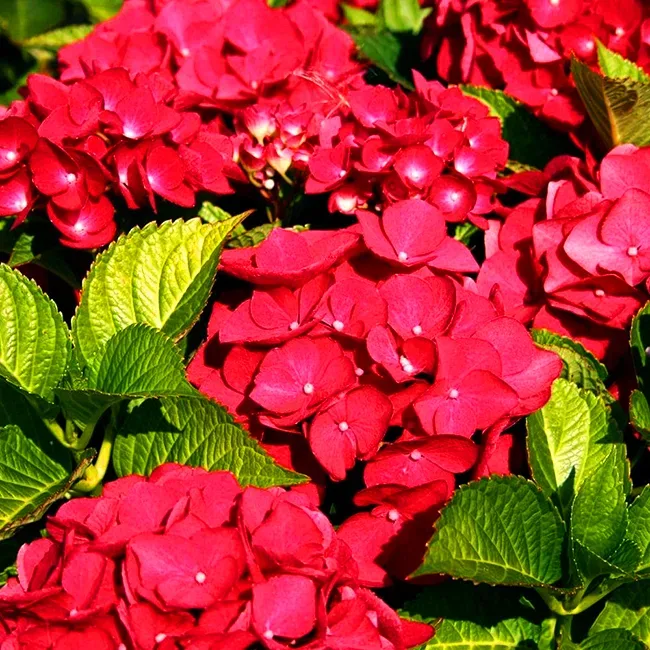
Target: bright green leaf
point(195, 432)
point(612, 640)
point(382, 48)
point(640, 342)
point(640, 413)
point(101, 10)
point(403, 15)
point(252, 237)
point(638, 529)
point(580, 366)
point(34, 340)
point(614, 66)
point(616, 106)
point(475, 617)
point(627, 608)
point(21, 19)
point(160, 276)
point(569, 439)
point(501, 530)
point(531, 141)
point(53, 41)
point(30, 481)
point(464, 232)
point(358, 17)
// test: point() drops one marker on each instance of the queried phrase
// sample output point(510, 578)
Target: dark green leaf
point(640, 413)
point(252, 237)
point(640, 344)
point(531, 141)
point(195, 432)
point(501, 530)
point(627, 608)
point(53, 41)
point(476, 617)
point(21, 19)
point(612, 640)
point(580, 366)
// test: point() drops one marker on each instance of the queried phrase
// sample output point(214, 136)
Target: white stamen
point(647, 351)
point(185, 52)
point(359, 372)
point(454, 196)
point(343, 426)
point(21, 204)
point(453, 394)
point(129, 133)
point(632, 251)
point(255, 85)
point(619, 31)
point(308, 389)
point(417, 330)
point(74, 612)
point(268, 635)
point(269, 183)
point(555, 92)
point(71, 178)
point(407, 366)
point(338, 325)
point(11, 156)
point(294, 326)
point(415, 455)
point(342, 173)
point(402, 257)
point(159, 638)
point(599, 293)
point(589, 45)
point(393, 515)
point(200, 577)
point(555, 3)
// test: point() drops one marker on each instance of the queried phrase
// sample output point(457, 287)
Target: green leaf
point(358, 17)
point(403, 15)
point(638, 529)
point(475, 617)
point(275, 4)
point(501, 530)
point(614, 66)
point(160, 276)
point(252, 237)
point(639, 343)
point(21, 19)
point(56, 39)
point(464, 232)
point(531, 141)
point(138, 361)
point(616, 106)
point(30, 481)
point(211, 213)
point(612, 640)
point(640, 413)
point(627, 608)
point(101, 10)
point(195, 432)
point(34, 340)
point(382, 48)
point(569, 439)
point(580, 366)
point(599, 520)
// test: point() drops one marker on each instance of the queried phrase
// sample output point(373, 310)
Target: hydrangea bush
point(325, 325)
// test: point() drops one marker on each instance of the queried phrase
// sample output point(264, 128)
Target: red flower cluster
point(435, 144)
point(187, 559)
point(578, 262)
point(222, 53)
point(524, 46)
point(347, 333)
point(67, 144)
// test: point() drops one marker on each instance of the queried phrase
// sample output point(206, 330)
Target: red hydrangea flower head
point(200, 563)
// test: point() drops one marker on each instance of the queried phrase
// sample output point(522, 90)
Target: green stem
point(578, 603)
point(94, 475)
point(57, 431)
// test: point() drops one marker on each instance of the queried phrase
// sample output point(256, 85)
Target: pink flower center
point(185, 52)
point(21, 204)
point(393, 515)
point(415, 455)
point(308, 389)
point(71, 178)
point(294, 325)
point(359, 372)
point(343, 426)
point(129, 133)
point(11, 156)
point(632, 251)
point(338, 325)
point(417, 330)
point(268, 635)
point(255, 85)
point(554, 3)
point(599, 293)
point(554, 92)
point(159, 638)
point(619, 31)
point(402, 256)
point(200, 577)
point(342, 173)
point(453, 394)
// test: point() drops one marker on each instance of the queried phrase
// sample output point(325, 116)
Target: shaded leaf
point(627, 608)
point(22, 20)
point(53, 41)
point(638, 529)
point(612, 640)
